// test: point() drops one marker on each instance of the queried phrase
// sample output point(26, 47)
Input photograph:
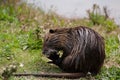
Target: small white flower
point(21, 64)
point(41, 26)
point(4, 69)
point(119, 37)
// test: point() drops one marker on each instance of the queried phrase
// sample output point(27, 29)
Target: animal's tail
point(52, 75)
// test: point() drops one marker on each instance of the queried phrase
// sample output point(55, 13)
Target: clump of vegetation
point(112, 44)
point(98, 18)
point(7, 13)
point(112, 73)
point(34, 40)
point(6, 53)
point(8, 71)
point(21, 37)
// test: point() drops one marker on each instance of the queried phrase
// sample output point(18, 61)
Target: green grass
point(21, 36)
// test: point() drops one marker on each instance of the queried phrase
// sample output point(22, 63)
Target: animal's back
point(87, 54)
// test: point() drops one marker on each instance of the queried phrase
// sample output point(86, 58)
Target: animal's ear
point(51, 31)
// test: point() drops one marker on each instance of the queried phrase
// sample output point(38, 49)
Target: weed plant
point(98, 18)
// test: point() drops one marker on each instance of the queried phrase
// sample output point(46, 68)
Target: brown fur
point(83, 49)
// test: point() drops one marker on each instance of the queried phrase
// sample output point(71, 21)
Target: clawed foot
point(54, 57)
point(56, 62)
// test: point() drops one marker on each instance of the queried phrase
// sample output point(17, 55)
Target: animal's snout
point(44, 51)
point(47, 51)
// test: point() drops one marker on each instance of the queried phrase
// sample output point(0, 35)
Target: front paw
point(56, 62)
point(54, 57)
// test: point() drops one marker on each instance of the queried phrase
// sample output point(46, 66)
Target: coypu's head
point(51, 43)
point(54, 41)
